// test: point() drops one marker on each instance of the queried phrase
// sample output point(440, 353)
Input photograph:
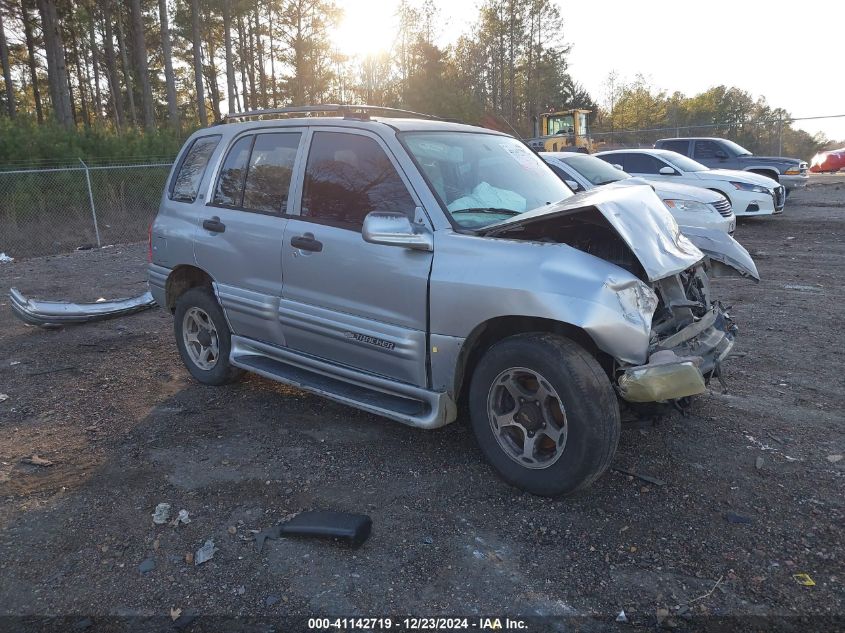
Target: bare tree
point(197, 38)
point(111, 66)
point(7, 71)
point(57, 76)
point(210, 71)
point(92, 41)
point(259, 48)
point(272, 53)
point(80, 78)
point(169, 78)
point(26, 18)
point(127, 75)
point(230, 65)
point(141, 67)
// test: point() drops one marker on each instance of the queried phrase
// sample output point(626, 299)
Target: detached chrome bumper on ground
point(53, 313)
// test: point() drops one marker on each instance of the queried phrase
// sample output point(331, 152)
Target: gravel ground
point(753, 478)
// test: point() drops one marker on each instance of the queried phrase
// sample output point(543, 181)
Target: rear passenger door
point(345, 300)
point(239, 237)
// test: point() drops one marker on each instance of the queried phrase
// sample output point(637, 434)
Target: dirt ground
point(753, 478)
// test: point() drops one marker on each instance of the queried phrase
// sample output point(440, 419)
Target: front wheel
point(544, 413)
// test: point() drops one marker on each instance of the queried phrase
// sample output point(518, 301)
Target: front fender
point(477, 279)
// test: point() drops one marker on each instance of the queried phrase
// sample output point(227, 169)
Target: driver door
point(343, 299)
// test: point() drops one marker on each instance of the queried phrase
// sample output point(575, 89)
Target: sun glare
point(367, 28)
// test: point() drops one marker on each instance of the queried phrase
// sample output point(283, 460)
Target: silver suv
point(407, 266)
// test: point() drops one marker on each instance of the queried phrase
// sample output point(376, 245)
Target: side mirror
point(667, 171)
point(618, 166)
point(721, 155)
point(574, 185)
point(396, 229)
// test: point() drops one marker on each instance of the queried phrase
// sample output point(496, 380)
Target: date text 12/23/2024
point(417, 624)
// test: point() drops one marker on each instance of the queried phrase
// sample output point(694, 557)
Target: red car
point(832, 161)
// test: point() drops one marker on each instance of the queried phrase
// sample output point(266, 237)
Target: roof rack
point(348, 111)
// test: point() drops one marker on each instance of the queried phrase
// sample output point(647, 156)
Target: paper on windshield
point(521, 155)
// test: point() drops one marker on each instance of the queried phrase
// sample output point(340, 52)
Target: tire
point(588, 431)
point(194, 306)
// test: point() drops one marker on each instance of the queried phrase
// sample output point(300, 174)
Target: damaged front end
point(690, 333)
point(690, 336)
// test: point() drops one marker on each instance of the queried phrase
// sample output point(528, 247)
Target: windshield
point(483, 178)
point(682, 162)
point(563, 124)
point(595, 169)
point(736, 148)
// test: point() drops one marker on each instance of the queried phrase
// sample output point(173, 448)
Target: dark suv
point(720, 153)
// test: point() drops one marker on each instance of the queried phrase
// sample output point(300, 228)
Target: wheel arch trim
point(458, 357)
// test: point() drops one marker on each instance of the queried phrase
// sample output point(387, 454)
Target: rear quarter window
point(186, 181)
point(682, 147)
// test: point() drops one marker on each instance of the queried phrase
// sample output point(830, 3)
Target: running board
point(398, 401)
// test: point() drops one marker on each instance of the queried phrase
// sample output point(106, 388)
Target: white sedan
point(690, 206)
point(749, 194)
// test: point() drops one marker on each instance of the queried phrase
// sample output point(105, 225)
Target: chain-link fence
point(763, 139)
point(774, 137)
point(56, 210)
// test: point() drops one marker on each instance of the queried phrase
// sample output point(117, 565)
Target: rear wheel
point(203, 337)
point(544, 413)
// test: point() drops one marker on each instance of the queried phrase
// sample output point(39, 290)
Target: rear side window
point(230, 183)
point(257, 172)
point(682, 147)
point(269, 173)
point(186, 182)
point(640, 163)
point(347, 177)
point(615, 159)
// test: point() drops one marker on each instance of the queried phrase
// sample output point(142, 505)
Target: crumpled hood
point(637, 215)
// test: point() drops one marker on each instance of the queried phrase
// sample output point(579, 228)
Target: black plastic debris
point(738, 519)
point(344, 527)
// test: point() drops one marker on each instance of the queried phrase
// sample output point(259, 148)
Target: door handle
point(306, 243)
point(214, 225)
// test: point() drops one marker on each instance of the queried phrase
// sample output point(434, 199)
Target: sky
point(793, 53)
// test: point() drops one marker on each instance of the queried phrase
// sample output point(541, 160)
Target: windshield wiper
point(494, 210)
